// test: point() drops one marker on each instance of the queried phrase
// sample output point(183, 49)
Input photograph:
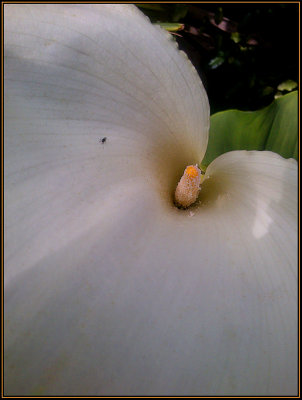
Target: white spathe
point(109, 288)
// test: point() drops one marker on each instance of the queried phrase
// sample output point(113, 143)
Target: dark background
point(242, 51)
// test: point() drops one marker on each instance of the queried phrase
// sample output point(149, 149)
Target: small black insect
point(103, 140)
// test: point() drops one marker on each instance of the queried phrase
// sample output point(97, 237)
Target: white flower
point(109, 288)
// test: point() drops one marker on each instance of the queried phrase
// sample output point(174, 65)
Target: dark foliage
point(243, 52)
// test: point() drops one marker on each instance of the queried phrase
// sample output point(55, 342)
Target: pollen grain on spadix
point(188, 187)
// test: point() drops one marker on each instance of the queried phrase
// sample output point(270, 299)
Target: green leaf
point(273, 128)
point(288, 85)
point(155, 7)
point(171, 26)
point(216, 62)
point(235, 36)
point(180, 11)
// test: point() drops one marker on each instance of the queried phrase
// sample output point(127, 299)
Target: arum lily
point(110, 289)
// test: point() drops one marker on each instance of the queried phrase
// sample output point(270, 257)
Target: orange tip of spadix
point(188, 187)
